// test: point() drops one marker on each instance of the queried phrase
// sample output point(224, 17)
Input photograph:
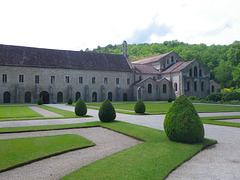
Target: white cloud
point(76, 25)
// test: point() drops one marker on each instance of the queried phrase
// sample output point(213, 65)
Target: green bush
point(106, 112)
point(169, 100)
point(214, 97)
point(139, 107)
point(40, 101)
point(230, 96)
point(70, 101)
point(182, 123)
point(191, 98)
point(80, 108)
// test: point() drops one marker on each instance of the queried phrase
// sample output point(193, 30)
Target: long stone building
point(27, 74)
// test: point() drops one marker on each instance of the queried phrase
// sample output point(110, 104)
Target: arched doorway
point(6, 97)
point(94, 97)
point(110, 96)
point(27, 97)
point(213, 88)
point(125, 97)
point(45, 97)
point(78, 95)
point(59, 97)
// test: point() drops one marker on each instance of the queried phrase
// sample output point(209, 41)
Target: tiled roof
point(145, 69)
point(50, 58)
point(176, 67)
point(150, 60)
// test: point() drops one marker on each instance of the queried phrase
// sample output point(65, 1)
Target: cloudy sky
point(81, 24)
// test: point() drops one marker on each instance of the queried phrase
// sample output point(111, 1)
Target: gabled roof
point(50, 58)
point(150, 60)
point(141, 81)
point(145, 69)
point(176, 67)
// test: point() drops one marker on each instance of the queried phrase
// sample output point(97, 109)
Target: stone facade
point(27, 74)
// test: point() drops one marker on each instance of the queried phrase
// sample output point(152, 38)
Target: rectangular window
point(105, 81)
point(128, 81)
point(4, 78)
point(36, 79)
point(21, 78)
point(52, 79)
point(67, 79)
point(117, 80)
point(80, 80)
point(93, 80)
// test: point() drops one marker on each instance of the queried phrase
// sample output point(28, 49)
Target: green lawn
point(155, 158)
point(17, 111)
point(162, 107)
point(214, 121)
point(15, 152)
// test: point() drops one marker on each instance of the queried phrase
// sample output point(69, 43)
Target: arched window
point(213, 88)
point(195, 85)
point(150, 88)
point(164, 88)
point(78, 95)
point(94, 97)
point(125, 97)
point(59, 97)
point(6, 97)
point(27, 97)
point(202, 86)
point(190, 72)
point(172, 58)
point(195, 71)
point(175, 86)
point(200, 73)
point(188, 86)
point(110, 96)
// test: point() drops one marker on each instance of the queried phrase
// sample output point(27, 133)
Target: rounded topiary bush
point(169, 100)
point(106, 112)
point(139, 107)
point(80, 108)
point(40, 101)
point(182, 123)
point(70, 101)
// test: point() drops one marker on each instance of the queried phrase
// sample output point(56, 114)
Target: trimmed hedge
point(139, 107)
point(40, 101)
point(70, 101)
point(106, 112)
point(80, 108)
point(214, 97)
point(182, 123)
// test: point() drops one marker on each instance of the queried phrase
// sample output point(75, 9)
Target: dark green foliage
point(80, 108)
point(70, 101)
point(214, 97)
point(191, 98)
point(106, 112)
point(139, 107)
point(182, 123)
point(169, 100)
point(230, 96)
point(40, 101)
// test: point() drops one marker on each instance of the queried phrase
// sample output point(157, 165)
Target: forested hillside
point(223, 61)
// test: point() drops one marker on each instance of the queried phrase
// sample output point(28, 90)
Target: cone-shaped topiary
point(80, 108)
point(70, 101)
point(139, 107)
point(40, 101)
point(106, 112)
point(182, 123)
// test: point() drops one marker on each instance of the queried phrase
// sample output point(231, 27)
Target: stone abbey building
point(27, 73)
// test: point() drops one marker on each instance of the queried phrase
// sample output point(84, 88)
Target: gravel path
point(44, 112)
point(107, 142)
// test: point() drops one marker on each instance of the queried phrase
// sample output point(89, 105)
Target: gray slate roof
point(50, 58)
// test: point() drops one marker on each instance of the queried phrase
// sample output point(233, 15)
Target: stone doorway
point(45, 97)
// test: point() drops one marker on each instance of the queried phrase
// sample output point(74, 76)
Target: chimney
point(124, 48)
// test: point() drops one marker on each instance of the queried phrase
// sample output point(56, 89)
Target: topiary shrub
point(214, 97)
point(182, 123)
point(192, 98)
point(106, 112)
point(80, 108)
point(40, 101)
point(70, 101)
point(169, 100)
point(139, 107)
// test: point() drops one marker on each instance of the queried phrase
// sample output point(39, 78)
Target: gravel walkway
point(107, 142)
point(44, 112)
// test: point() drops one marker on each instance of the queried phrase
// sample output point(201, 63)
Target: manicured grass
point(213, 121)
point(155, 158)
point(16, 152)
point(17, 111)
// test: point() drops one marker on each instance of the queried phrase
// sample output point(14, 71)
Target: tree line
point(223, 61)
